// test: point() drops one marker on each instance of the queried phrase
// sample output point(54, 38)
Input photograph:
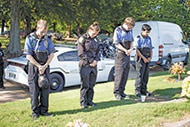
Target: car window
point(68, 56)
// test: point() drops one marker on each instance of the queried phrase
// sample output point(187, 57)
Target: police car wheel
point(57, 82)
point(168, 64)
point(111, 74)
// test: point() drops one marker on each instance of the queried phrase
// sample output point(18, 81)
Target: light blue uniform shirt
point(142, 42)
point(33, 44)
point(121, 35)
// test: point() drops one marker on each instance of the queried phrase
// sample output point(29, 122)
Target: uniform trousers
point(1, 75)
point(39, 97)
point(88, 79)
point(122, 66)
point(142, 77)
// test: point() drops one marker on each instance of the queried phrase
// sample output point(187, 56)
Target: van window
point(170, 34)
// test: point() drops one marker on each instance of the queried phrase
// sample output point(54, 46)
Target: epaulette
point(86, 35)
point(118, 28)
point(48, 35)
point(31, 35)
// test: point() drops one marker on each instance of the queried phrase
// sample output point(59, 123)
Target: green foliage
point(163, 10)
point(109, 13)
point(5, 10)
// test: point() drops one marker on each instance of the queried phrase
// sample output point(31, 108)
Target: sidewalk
point(12, 92)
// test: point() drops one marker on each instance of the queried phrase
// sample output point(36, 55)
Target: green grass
point(108, 112)
point(5, 41)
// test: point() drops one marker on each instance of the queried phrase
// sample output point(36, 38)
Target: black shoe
point(91, 104)
point(148, 94)
point(48, 115)
point(35, 116)
point(123, 95)
point(84, 106)
point(2, 87)
point(118, 97)
point(138, 95)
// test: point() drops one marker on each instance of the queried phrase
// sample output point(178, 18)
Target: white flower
point(77, 123)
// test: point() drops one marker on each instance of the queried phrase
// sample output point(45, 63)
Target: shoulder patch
point(81, 40)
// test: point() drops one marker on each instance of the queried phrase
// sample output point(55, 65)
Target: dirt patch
point(13, 92)
point(183, 122)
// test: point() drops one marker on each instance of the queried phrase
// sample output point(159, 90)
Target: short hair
point(129, 21)
point(146, 27)
point(42, 24)
point(95, 27)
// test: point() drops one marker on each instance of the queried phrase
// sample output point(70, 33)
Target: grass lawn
point(4, 41)
point(108, 112)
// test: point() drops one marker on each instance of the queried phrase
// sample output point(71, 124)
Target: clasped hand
point(94, 63)
point(147, 60)
point(41, 69)
point(128, 52)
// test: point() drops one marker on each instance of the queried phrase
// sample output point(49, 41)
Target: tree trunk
point(3, 26)
point(28, 25)
point(54, 27)
point(14, 48)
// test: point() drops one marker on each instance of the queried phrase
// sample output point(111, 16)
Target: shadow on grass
point(160, 95)
point(99, 106)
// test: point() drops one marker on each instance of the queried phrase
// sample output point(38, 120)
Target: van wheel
point(186, 59)
point(168, 64)
point(134, 66)
point(57, 82)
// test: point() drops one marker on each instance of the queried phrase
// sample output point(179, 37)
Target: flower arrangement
point(177, 68)
point(168, 79)
point(77, 123)
point(186, 87)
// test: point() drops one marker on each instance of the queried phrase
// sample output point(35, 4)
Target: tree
point(14, 48)
point(4, 13)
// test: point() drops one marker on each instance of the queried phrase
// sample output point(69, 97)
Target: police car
point(64, 69)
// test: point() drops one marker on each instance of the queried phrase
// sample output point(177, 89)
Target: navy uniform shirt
point(88, 49)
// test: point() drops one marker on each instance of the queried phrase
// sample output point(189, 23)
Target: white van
point(168, 44)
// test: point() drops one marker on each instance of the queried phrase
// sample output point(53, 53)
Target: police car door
point(69, 64)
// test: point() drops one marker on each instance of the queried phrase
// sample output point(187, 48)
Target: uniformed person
point(1, 68)
point(39, 50)
point(123, 38)
point(143, 45)
point(88, 52)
